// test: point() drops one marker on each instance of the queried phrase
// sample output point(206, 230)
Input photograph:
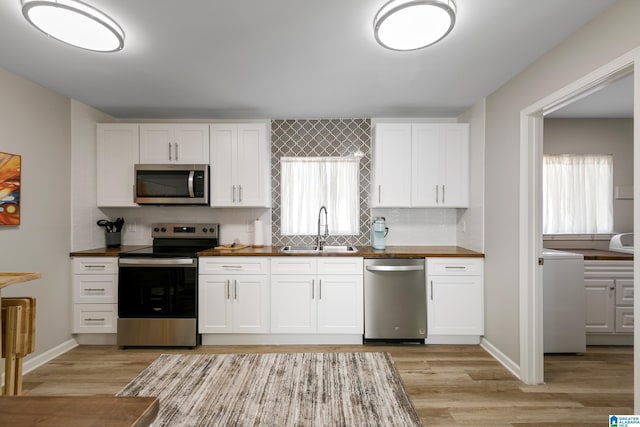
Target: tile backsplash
point(319, 138)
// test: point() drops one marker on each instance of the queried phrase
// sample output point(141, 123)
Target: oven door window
point(157, 292)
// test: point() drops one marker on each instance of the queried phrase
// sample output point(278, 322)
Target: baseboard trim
point(502, 358)
point(40, 359)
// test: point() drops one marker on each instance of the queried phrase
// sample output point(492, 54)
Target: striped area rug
point(279, 389)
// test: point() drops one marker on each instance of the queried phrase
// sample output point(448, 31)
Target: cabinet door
point(293, 304)
point(426, 186)
point(455, 305)
point(222, 158)
point(214, 304)
point(454, 165)
point(95, 318)
point(392, 166)
point(157, 144)
point(95, 288)
point(117, 153)
point(600, 305)
point(192, 143)
point(340, 304)
point(251, 165)
point(624, 319)
point(250, 304)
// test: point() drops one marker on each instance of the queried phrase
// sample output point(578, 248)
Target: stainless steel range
point(158, 286)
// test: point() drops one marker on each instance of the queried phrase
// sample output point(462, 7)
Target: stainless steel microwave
point(171, 184)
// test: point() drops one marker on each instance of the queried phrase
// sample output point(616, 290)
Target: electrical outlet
point(131, 227)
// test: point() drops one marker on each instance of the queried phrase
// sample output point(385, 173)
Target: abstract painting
point(10, 189)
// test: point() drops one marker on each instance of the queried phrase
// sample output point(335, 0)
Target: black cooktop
point(171, 248)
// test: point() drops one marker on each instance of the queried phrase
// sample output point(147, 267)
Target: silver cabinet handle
point(313, 289)
point(89, 319)
point(228, 289)
point(443, 193)
point(379, 193)
point(175, 144)
point(170, 152)
point(320, 289)
point(232, 267)
point(393, 268)
point(455, 267)
point(235, 289)
point(95, 267)
point(239, 193)
point(233, 191)
point(431, 290)
point(437, 194)
point(94, 289)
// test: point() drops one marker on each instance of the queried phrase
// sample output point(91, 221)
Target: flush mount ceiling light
point(413, 24)
point(74, 23)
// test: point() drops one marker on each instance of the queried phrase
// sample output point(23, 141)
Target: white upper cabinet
point(421, 165)
point(240, 173)
point(392, 160)
point(181, 143)
point(117, 153)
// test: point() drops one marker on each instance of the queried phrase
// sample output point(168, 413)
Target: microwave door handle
point(191, 192)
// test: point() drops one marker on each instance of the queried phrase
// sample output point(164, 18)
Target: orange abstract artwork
point(9, 189)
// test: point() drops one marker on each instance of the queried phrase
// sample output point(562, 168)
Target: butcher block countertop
point(105, 252)
point(600, 255)
point(271, 251)
point(363, 251)
point(7, 279)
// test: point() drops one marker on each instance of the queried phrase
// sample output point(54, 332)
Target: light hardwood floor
point(448, 385)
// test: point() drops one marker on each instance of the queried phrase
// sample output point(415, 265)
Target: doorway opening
point(531, 242)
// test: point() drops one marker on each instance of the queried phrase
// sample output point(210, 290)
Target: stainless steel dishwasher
point(395, 300)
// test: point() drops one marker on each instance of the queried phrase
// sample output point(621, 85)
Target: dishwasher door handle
point(395, 268)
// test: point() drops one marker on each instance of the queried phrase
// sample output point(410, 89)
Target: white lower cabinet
point(455, 300)
point(233, 295)
point(609, 295)
point(95, 294)
point(317, 295)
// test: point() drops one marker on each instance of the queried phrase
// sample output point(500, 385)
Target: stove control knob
point(204, 230)
point(164, 230)
point(212, 230)
point(156, 229)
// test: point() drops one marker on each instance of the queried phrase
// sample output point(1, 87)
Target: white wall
point(598, 136)
point(470, 221)
point(35, 123)
point(84, 213)
point(608, 36)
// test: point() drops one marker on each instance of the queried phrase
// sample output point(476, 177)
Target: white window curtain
point(307, 183)
point(577, 194)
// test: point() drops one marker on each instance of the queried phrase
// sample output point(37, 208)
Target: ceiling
point(614, 100)
point(287, 58)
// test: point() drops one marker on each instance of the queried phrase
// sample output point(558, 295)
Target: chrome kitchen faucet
point(320, 242)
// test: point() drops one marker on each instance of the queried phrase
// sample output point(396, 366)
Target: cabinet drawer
point(340, 265)
point(95, 265)
point(95, 288)
point(454, 266)
point(624, 292)
point(94, 318)
point(226, 265)
point(294, 265)
point(624, 319)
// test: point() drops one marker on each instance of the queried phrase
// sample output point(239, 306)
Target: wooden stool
point(18, 337)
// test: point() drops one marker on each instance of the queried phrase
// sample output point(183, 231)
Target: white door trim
point(531, 119)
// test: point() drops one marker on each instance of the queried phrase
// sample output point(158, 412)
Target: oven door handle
point(157, 262)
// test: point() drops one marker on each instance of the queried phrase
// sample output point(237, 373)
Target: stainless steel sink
point(315, 250)
point(340, 249)
point(299, 249)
